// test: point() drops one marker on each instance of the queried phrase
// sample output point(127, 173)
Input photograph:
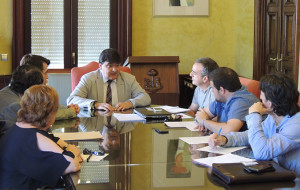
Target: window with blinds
point(47, 30)
point(93, 29)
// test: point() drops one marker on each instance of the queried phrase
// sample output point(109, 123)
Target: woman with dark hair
point(278, 136)
point(30, 158)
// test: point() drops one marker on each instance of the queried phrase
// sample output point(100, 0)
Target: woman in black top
point(30, 157)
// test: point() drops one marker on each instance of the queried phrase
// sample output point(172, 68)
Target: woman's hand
point(75, 150)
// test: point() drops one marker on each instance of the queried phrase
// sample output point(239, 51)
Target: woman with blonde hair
point(30, 157)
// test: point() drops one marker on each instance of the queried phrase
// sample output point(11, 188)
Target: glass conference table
point(140, 158)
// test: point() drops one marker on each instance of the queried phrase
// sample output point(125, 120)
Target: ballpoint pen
point(220, 131)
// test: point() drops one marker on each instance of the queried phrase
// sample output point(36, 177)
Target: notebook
point(234, 173)
point(152, 113)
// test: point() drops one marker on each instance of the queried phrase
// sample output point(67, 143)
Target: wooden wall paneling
point(167, 68)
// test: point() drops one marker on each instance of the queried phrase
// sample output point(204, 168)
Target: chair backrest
point(77, 72)
point(252, 85)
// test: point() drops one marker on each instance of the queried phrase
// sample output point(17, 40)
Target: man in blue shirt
point(278, 136)
point(231, 104)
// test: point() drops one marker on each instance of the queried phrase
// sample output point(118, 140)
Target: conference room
point(158, 44)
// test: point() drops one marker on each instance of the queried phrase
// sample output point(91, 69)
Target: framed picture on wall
point(180, 7)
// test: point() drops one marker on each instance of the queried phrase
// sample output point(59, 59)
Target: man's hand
point(201, 128)
point(103, 106)
point(201, 116)
point(123, 106)
point(216, 140)
point(75, 107)
point(258, 107)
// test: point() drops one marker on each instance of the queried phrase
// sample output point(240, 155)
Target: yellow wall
point(226, 35)
point(223, 35)
point(6, 35)
point(244, 38)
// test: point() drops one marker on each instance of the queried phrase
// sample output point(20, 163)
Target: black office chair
point(64, 183)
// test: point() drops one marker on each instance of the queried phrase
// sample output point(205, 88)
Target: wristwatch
point(93, 105)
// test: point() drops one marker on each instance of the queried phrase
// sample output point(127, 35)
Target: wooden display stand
point(158, 75)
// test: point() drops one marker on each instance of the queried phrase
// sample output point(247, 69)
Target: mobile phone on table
point(260, 168)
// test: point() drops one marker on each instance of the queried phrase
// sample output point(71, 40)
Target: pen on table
point(87, 160)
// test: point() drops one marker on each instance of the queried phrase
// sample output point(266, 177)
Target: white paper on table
point(128, 117)
point(221, 150)
point(79, 135)
point(227, 158)
point(173, 109)
point(94, 158)
point(195, 140)
point(186, 124)
point(192, 126)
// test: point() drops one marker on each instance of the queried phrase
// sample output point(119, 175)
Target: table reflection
point(141, 158)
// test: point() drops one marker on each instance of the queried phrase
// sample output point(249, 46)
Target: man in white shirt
point(203, 95)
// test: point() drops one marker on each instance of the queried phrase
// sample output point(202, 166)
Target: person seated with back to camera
point(231, 104)
point(125, 91)
point(42, 64)
point(30, 158)
point(10, 96)
point(278, 136)
point(22, 78)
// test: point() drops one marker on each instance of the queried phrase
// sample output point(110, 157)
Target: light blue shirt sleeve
point(237, 139)
point(265, 142)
